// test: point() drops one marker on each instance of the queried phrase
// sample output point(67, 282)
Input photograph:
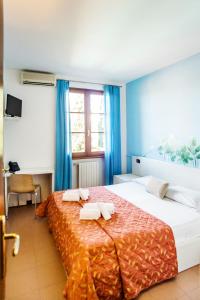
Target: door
point(3, 235)
point(2, 218)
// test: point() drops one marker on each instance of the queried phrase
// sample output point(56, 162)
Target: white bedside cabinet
point(123, 178)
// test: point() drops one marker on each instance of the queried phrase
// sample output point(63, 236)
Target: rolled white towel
point(84, 194)
point(89, 214)
point(71, 195)
point(104, 211)
point(110, 206)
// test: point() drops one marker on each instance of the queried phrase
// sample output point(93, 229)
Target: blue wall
point(162, 104)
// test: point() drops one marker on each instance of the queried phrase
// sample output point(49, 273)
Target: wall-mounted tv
point(13, 106)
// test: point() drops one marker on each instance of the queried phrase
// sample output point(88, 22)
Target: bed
point(184, 221)
point(146, 242)
point(188, 177)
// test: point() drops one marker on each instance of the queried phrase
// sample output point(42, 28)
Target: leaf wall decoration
point(185, 154)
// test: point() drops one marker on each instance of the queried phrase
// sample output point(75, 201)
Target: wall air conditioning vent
point(38, 78)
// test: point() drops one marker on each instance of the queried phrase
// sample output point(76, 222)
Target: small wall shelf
point(11, 118)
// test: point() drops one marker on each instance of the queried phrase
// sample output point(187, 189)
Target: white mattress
point(184, 221)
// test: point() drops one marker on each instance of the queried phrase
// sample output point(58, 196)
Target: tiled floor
point(37, 273)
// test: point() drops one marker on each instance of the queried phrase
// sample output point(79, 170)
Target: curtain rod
point(79, 81)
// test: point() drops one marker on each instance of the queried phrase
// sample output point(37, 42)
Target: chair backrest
point(21, 183)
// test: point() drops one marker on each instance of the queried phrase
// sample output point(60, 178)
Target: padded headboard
point(173, 173)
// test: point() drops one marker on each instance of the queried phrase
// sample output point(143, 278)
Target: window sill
point(87, 157)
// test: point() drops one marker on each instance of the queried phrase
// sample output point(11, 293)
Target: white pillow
point(143, 180)
point(185, 196)
point(157, 187)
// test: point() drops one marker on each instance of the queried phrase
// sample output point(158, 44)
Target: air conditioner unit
point(38, 78)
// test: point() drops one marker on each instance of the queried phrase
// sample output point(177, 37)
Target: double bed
point(183, 220)
point(148, 240)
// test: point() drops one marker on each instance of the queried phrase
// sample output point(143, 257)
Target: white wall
point(31, 140)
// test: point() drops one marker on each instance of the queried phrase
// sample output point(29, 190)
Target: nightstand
point(123, 178)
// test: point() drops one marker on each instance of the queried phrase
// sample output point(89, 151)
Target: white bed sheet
point(184, 221)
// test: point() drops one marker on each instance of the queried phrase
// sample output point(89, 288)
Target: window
point(87, 122)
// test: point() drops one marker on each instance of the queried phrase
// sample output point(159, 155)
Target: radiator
point(89, 174)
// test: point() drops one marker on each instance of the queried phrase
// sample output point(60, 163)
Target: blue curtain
point(113, 135)
point(63, 171)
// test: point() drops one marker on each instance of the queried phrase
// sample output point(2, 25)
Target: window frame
point(87, 118)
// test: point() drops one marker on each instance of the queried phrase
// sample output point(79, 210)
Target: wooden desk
point(44, 177)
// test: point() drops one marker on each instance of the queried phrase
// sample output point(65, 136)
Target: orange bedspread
point(114, 259)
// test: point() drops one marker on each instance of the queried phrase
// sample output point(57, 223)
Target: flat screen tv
point(14, 106)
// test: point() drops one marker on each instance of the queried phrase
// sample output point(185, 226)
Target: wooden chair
point(22, 184)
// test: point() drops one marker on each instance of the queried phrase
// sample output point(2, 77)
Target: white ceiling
point(103, 40)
